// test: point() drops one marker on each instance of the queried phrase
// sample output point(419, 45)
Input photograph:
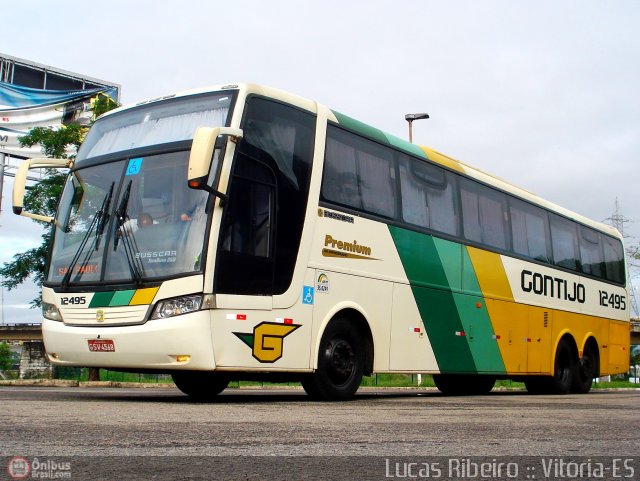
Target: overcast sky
point(544, 94)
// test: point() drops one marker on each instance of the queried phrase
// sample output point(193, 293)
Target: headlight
point(51, 312)
point(177, 306)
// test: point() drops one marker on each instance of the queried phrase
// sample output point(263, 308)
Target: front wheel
point(340, 363)
point(201, 386)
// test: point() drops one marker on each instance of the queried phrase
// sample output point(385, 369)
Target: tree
point(43, 199)
point(7, 357)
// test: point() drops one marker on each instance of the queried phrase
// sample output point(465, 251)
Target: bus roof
point(392, 141)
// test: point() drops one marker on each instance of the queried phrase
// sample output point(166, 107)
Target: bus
point(244, 233)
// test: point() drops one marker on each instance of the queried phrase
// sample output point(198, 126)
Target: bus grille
point(107, 316)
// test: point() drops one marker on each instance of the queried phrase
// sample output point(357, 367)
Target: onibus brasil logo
point(267, 340)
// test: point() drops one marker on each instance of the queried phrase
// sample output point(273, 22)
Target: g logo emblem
point(267, 340)
point(100, 315)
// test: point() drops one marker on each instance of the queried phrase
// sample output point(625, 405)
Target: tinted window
point(427, 196)
point(484, 215)
point(614, 259)
point(358, 173)
point(529, 230)
point(269, 186)
point(591, 253)
point(564, 242)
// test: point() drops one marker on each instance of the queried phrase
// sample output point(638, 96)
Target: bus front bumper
point(178, 343)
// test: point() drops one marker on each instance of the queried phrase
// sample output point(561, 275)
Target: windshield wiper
point(124, 231)
point(95, 223)
point(104, 216)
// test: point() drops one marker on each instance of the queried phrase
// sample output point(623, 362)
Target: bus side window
point(614, 259)
point(427, 196)
point(359, 173)
point(529, 230)
point(564, 242)
point(591, 252)
point(484, 214)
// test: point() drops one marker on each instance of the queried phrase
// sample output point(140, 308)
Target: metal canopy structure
point(32, 79)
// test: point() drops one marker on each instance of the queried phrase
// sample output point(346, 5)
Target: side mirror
point(20, 182)
point(205, 156)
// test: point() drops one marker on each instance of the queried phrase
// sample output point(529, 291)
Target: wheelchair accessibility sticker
point(134, 166)
point(307, 295)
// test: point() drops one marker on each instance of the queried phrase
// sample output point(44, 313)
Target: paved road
point(99, 422)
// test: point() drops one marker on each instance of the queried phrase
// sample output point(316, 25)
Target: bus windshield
point(133, 218)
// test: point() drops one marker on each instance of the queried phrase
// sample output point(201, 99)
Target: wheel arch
point(567, 336)
point(590, 342)
point(359, 318)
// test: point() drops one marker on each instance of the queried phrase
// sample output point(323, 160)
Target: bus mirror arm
point(20, 183)
point(203, 153)
point(201, 184)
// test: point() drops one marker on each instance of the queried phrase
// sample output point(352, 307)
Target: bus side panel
point(370, 297)
point(410, 345)
point(619, 341)
point(434, 297)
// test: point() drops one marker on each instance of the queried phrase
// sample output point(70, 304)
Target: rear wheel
point(340, 363)
point(565, 369)
point(586, 371)
point(201, 386)
point(463, 384)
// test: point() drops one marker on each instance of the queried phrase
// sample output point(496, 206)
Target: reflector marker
point(496, 336)
point(461, 333)
point(284, 320)
point(236, 317)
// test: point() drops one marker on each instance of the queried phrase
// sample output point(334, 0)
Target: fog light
point(50, 311)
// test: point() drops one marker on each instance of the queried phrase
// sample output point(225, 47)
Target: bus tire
point(340, 363)
point(199, 385)
point(586, 371)
point(463, 384)
point(565, 369)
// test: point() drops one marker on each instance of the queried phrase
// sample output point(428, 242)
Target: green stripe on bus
point(121, 298)
point(434, 298)
point(408, 147)
point(101, 299)
point(477, 323)
point(360, 127)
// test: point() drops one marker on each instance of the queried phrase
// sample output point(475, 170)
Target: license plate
point(101, 345)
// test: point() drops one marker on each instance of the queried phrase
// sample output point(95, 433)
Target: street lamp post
point(410, 118)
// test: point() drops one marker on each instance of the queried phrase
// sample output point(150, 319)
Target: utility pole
point(1, 177)
point(410, 118)
point(618, 221)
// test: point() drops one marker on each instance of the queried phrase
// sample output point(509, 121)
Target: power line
point(619, 221)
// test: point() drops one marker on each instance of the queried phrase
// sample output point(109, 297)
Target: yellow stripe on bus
point(143, 296)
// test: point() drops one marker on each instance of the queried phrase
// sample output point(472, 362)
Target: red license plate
point(101, 345)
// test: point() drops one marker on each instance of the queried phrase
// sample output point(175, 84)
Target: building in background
point(37, 95)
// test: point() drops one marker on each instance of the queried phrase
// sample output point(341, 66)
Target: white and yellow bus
point(242, 232)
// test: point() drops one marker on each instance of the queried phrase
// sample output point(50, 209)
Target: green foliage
point(55, 141)
point(101, 104)
point(7, 357)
